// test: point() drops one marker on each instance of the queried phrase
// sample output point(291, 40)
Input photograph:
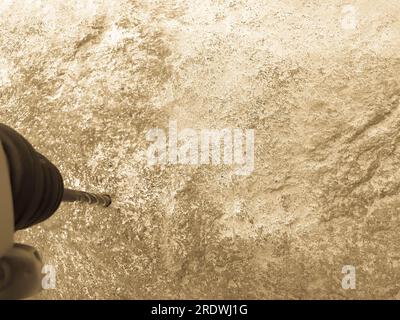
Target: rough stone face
point(319, 83)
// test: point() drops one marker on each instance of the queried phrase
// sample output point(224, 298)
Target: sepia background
point(318, 81)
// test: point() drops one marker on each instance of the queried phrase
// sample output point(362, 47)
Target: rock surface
point(320, 85)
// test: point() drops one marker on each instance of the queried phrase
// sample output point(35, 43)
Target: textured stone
point(85, 80)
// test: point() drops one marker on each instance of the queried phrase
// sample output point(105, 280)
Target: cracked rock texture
point(318, 82)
